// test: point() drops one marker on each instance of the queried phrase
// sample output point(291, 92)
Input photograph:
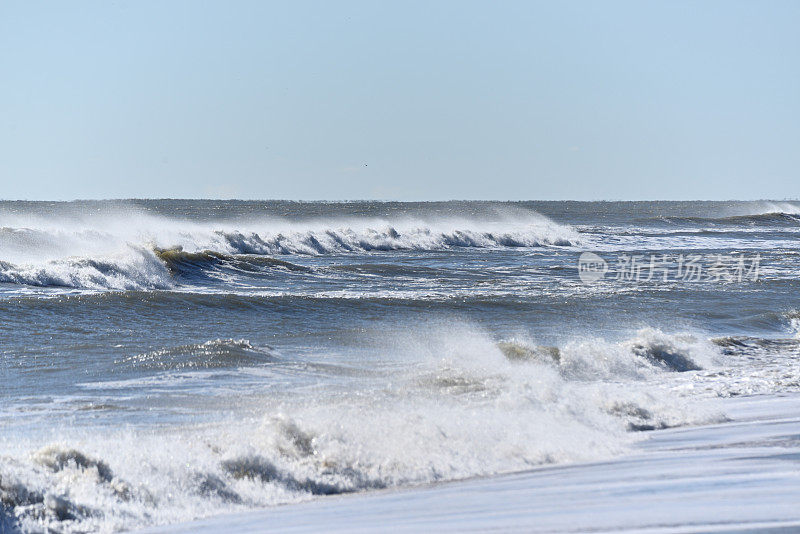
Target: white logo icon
point(591, 267)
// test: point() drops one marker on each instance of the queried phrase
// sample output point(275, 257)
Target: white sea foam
point(131, 268)
point(739, 477)
point(793, 317)
point(461, 406)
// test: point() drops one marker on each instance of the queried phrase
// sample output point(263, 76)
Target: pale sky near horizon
point(400, 101)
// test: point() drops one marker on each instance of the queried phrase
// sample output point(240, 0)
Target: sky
point(406, 100)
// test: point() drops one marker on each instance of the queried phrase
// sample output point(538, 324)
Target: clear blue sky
point(401, 100)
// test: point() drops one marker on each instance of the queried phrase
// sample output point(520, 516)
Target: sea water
point(168, 360)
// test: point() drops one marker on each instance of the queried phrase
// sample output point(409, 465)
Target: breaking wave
point(650, 351)
point(140, 251)
point(464, 405)
point(761, 218)
point(766, 213)
point(137, 268)
point(391, 238)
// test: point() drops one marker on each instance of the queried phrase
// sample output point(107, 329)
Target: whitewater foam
point(459, 408)
point(134, 269)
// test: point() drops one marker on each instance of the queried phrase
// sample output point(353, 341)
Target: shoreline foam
point(738, 476)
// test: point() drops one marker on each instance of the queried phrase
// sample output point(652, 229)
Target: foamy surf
point(164, 361)
point(745, 468)
point(460, 395)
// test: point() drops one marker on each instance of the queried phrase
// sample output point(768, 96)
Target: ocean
point(163, 361)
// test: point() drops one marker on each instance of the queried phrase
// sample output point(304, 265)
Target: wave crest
point(595, 359)
point(142, 251)
point(136, 269)
point(389, 238)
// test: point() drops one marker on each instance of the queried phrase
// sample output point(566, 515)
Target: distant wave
point(761, 218)
point(30, 238)
point(389, 238)
point(146, 252)
point(775, 217)
point(784, 213)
